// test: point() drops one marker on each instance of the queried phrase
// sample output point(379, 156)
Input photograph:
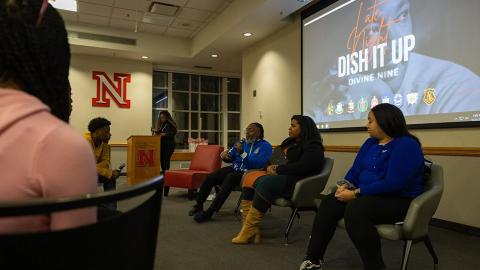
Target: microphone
point(120, 168)
point(242, 141)
point(234, 148)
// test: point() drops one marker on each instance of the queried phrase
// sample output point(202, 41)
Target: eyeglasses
point(43, 8)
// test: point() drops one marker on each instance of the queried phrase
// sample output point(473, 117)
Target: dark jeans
point(227, 178)
point(108, 184)
point(266, 189)
point(166, 151)
point(360, 216)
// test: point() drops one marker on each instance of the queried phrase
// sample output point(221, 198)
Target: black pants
point(108, 184)
point(227, 178)
point(360, 216)
point(166, 152)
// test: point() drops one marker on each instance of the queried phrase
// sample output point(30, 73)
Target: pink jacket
point(41, 156)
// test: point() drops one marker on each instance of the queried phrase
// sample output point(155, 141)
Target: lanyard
point(163, 126)
point(249, 153)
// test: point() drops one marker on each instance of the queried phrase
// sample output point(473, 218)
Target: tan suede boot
point(245, 205)
point(250, 228)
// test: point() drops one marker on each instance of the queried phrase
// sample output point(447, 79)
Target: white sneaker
point(309, 265)
point(211, 197)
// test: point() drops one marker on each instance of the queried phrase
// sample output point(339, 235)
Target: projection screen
point(420, 55)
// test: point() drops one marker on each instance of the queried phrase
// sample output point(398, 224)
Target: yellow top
point(102, 156)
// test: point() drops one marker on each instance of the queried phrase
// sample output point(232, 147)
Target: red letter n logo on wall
point(145, 158)
point(105, 86)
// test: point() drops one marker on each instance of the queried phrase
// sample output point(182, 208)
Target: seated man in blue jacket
point(253, 152)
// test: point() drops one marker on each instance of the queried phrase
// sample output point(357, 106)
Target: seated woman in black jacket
point(304, 151)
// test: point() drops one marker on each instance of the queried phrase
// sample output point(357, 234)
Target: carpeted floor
point(184, 244)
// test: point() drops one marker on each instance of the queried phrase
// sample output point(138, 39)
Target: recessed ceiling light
point(247, 34)
point(144, 57)
point(69, 5)
point(214, 55)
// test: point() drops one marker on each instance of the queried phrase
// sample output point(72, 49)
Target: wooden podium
point(143, 160)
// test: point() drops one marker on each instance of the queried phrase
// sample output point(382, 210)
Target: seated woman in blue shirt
point(386, 175)
point(304, 150)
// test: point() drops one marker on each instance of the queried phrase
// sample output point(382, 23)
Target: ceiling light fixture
point(247, 34)
point(214, 55)
point(69, 5)
point(144, 57)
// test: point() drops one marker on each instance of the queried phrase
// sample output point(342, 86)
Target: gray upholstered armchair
point(414, 228)
point(305, 193)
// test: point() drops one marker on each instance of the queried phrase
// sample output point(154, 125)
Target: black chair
point(122, 241)
point(304, 194)
point(414, 229)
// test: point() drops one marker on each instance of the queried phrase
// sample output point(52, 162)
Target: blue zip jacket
point(255, 156)
point(392, 169)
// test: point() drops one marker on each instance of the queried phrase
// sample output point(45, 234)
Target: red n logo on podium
point(105, 86)
point(145, 158)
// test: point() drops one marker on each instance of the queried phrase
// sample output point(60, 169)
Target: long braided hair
point(34, 52)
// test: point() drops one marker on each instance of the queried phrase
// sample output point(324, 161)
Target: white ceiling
point(189, 19)
point(198, 29)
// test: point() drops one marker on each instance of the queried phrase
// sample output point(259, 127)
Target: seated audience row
point(386, 175)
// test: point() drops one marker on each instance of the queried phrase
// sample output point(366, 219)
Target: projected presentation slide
point(420, 55)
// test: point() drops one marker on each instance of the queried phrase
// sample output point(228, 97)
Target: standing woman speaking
point(166, 128)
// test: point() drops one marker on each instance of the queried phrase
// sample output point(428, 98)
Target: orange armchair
point(206, 159)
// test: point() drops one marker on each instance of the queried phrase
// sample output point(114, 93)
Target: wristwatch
point(357, 192)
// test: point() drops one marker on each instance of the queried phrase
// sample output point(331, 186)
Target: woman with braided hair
point(40, 154)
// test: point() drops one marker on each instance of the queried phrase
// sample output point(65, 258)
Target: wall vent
point(103, 38)
point(163, 9)
point(160, 13)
